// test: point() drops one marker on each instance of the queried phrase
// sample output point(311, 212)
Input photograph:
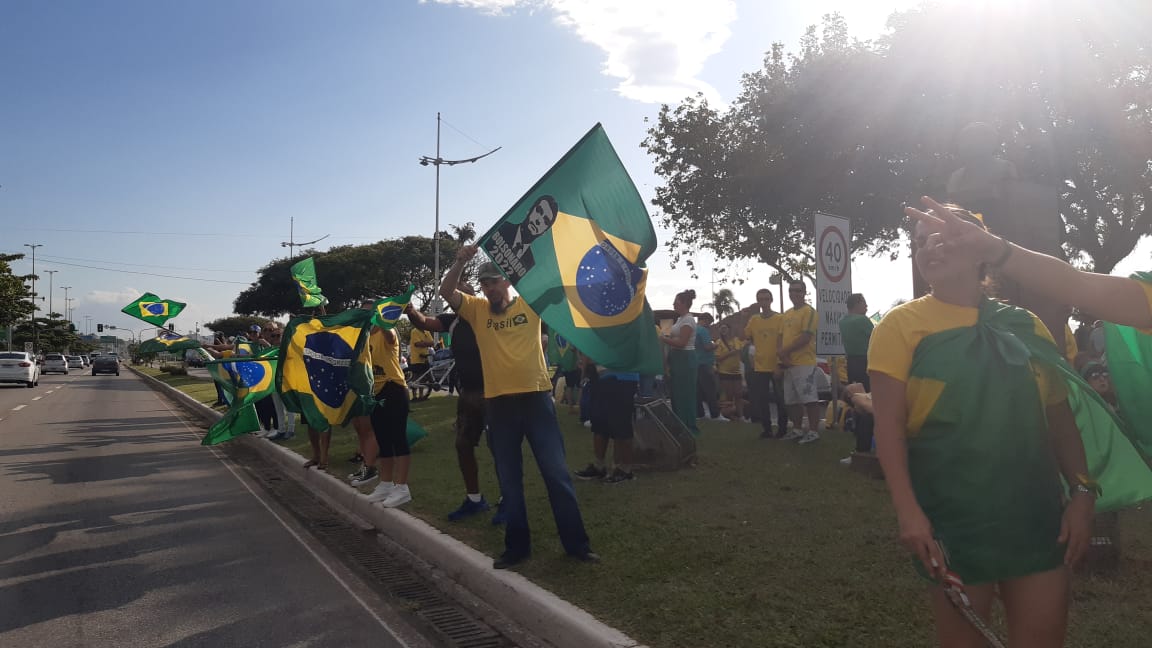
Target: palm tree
point(724, 303)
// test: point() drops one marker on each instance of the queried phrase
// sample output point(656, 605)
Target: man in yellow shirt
point(763, 332)
point(518, 405)
point(797, 354)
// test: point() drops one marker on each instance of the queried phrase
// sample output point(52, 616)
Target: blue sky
point(179, 138)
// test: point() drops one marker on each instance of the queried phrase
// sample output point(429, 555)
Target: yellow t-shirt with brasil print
point(896, 337)
point(764, 332)
point(795, 322)
point(419, 354)
point(509, 344)
point(385, 354)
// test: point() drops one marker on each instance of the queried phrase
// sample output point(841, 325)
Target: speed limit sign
point(28, 347)
point(833, 280)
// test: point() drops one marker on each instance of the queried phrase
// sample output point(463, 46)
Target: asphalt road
point(118, 529)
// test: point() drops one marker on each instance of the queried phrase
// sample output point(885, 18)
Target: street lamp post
point(35, 331)
point(437, 162)
point(51, 276)
point(87, 323)
point(67, 304)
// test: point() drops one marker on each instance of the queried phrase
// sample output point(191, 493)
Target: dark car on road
point(105, 364)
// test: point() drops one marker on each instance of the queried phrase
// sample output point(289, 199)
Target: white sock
point(475, 497)
point(386, 484)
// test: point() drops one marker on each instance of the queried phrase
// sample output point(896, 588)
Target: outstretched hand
point(954, 232)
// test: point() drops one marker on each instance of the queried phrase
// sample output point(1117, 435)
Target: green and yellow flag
point(244, 382)
point(575, 246)
point(153, 310)
point(304, 276)
point(168, 342)
point(325, 372)
point(386, 312)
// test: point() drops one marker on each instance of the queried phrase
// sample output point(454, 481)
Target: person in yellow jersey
point(518, 406)
point(420, 345)
point(388, 420)
point(764, 389)
point(797, 353)
point(728, 370)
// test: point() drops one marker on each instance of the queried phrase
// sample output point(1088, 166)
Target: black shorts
point(572, 378)
point(418, 369)
point(469, 418)
point(613, 403)
point(390, 420)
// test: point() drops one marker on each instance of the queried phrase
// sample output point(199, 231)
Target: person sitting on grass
point(974, 432)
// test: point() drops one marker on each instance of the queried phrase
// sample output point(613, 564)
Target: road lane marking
point(36, 398)
point(317, 557)
point(18, 408)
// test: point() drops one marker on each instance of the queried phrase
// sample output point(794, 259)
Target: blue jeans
point(510, 419)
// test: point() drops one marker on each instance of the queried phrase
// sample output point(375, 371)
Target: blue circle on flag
point(607, 282)
point(249, 374)
point(327, 367)
point(391, 312)
point(155, 309)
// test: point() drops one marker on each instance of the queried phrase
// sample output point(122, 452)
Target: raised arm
point(448, 286)
point(1115, 299)
point(421, 321)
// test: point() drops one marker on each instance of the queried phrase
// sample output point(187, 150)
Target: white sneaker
point(846, 461)
point(792, 434)
point(587, 424)
point(721, 419)
point(400, 495)
point(271, 433)
point(381, 492)
point(810, 437)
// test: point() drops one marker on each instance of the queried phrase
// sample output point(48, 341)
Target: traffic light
point(99, 328)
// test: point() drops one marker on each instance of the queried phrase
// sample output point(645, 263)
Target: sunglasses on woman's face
point(1097, 374)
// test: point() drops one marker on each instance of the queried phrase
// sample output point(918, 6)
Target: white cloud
point(122, 297)
point(657, 48)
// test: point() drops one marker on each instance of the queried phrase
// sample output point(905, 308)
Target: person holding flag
point(974, 451)
point(388, 419)
point(518, 405)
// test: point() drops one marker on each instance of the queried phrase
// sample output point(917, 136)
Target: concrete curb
point(536, 609)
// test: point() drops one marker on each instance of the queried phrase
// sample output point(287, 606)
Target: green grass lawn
point(764, 543)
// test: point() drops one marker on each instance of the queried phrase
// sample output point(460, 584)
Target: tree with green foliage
point(858, 129)
point(351, 273)
point(15, 296)
point(724, 303)
point(236, 324)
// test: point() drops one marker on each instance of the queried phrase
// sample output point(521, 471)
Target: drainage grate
point(425, 605)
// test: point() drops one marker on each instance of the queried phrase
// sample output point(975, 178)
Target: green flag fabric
point(1129, 354)
point(153, 310)
point(560, 353)
point(244, 382)
point(574, 246)
point(325, 372)
point(304, 276)
point(168, 342)
point(386, 312)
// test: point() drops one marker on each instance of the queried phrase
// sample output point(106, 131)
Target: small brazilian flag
point(304, 276)
point(153, 310)
point(387, 311)
point(575, 246)
point(244, 382)
point(325, 372)
point(168, 342)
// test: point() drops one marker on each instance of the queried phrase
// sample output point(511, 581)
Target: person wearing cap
point(518, 405)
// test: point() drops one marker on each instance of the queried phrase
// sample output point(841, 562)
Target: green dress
point(981, 465)
point(682, 374)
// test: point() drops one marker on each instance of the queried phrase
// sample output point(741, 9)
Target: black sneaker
point(586, 557)
point(591, 472)
point(507, 560)
point(366, 475)
point(619, 476)
point(356, 458)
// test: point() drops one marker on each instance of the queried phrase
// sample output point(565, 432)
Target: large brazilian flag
point(574, 246)
point(153, 310)
point(244, 382)
point(325, 372)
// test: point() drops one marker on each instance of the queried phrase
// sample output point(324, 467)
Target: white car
point(19, 367)
point(75, 362)
point(55, 363)
point(86, 360)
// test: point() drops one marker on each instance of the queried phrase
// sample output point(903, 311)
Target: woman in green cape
point(974, 431)
point(682, 361)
